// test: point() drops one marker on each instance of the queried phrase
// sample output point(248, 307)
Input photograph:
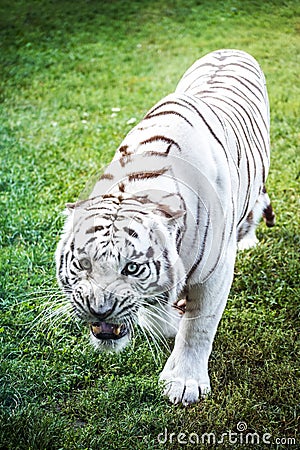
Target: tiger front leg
point(185, 375)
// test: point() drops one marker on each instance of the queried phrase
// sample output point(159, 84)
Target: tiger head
point(118, 259)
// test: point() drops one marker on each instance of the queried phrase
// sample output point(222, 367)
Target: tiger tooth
point(96, 329)
point(117, 330)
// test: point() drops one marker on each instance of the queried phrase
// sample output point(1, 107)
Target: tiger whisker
point(159, 316)
point(154, 331)
point(157, 336)
point(43, 317)
point(44, 311)
point(40, 293)
point(160, 311)
point(155, 340)
point(150, 346)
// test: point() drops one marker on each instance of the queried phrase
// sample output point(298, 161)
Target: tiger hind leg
point(262, 208)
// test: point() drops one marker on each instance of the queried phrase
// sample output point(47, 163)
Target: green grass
point(64, 66)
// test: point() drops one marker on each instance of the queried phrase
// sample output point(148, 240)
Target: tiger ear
point(71, 206)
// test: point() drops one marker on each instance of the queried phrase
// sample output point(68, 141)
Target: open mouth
point(108, 331)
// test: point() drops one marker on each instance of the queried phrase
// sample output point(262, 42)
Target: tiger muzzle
point(103, 308)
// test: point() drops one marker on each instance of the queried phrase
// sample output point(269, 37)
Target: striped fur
point(185, 188)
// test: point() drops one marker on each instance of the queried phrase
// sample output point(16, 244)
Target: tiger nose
point(101, 313)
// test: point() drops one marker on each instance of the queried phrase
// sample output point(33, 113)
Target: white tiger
point(159, 232)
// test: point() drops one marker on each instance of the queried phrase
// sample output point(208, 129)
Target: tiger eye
point(131, 268)
point(85, 264)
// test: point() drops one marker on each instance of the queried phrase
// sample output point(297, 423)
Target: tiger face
point(118, 259)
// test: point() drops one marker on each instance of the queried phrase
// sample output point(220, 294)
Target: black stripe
point(94, 229)
point(244, 97)
point(168, 102)
point(230, 114)
point(257, 143)
point(121, 303)
point(218, 258)
point(238, 79)
point(92, 239)
point(164, 139)
point(153, 153)
point(131, 232)
point(211, 108)
point(129, 307)
point(76, 265)
point(106, 176)
point(138, 219)
point(157, 265)
point(250, 68)
point(240, 94)
point(233, 126)
point(200, 256)
point(251, 118)
point(141, 272)
point(136, 176)
point(165, 113)
point(245, 208)
point(78, 304)
point(72, 272)
point(208, 126)
point(90, 216)
point(62, 259)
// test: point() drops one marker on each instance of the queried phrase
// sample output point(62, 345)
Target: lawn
point(74, 77)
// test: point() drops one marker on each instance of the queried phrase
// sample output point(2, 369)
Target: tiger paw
point(185, 391)
point(180, 306)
